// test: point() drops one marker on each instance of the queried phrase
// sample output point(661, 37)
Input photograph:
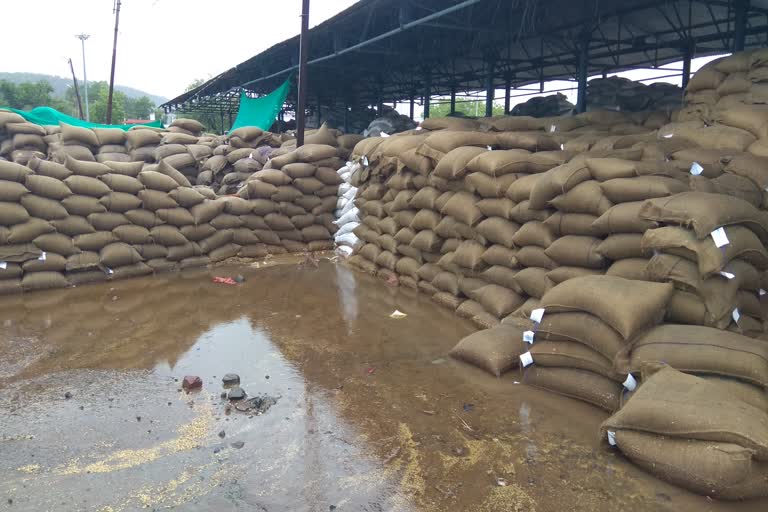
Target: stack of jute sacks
point(20, 140)
point(733, 81)
point(83, 221)
point(592, 248)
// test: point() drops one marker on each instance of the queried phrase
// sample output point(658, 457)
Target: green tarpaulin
point(47, 116)
point(261, 112)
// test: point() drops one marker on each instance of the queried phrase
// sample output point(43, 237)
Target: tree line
point(28, 95)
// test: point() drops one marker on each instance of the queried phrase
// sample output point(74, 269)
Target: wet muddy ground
point(371, 414)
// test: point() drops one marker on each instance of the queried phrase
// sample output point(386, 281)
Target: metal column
point(687, 56)
point(453, 99)
point(490, 91)
point(740, 24)
point(427, 93)
point(581, 102)
point(507, 91)
point(303, 51)
point(413, 101)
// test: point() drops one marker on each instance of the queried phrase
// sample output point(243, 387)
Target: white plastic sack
point(346, 252)
point(350, 194)
point(346, 228)
point(340, 204)
point(344, 187)
point(351, 216)
point(349, 239)
point(347, 176)
point(343, 169)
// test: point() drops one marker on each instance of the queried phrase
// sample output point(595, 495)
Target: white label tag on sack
point(526, 359)
point(419, 128)
point(667, 136)
point(612, 438)
point(630, 383)
point(384, 134)
point(562, 147)
point(736, 315)
point(3, 265)
point(251, 156)
point(365, 161)
point(42, 256)
point(489, 148)
point(528, 337)
point(720, 238)
point(696, 169)
point(761, 292)
point(109, 270)
point(552, 128)
point(537, 315)
point(727, 275)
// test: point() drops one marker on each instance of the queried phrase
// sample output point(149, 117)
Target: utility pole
point(116, 10)
point(77, 90)
point(303, 50)
point(82, 38)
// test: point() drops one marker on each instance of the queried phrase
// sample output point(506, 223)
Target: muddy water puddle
point(371, 415)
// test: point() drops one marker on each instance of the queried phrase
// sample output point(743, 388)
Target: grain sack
point(157, 181)
point(77, 134)
point(122, 183)
point(629, 268)
point(28, 231)
point(445, 281)
point(495, 350)
point(625, 218)
point(165, 167)
point(151, 251)
point(567, 354)
point(43, 281)
point(534, 281)
point(90, 169)
point(487, 186)
point(453, 165)
point(693, 348)
point(176, 216)
point(502, 276)
point(581, 328)
point(206, 211)
point(586, 197)
point(622, 246)
point(426, 241)
point(51, 262)
point(496, 255)
point(87, 186)
point(579, 384)
point(226, 221)
point(731, 185)
point(106, 136)
point(36, 206)
point(50, 169)
point(44, 186)
point(497, 300)
point(533, 256)
point(132, 234)
point(56, 243)
point(94, 241)
point(107, 221)
point(120, 202)
point(314, 152)
point(627, 306)
point(533, 233)
point(224, 252)
point(86, 260)
point(156, 200)
point(141, 137)
point(560, 274)
point(131, 169)
point(523, 213)
point(577, 251)
point(556, 181)
point(495, 207)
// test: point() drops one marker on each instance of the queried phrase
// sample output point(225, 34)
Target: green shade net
point(261, 112)
point(47, 116)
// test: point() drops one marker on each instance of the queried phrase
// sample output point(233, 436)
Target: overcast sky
point(163, 45)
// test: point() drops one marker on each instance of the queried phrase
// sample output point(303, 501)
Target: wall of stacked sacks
point(80, 205)
point(619, 259)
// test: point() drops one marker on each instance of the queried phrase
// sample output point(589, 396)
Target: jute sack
point(569, 354)
point(28, 231)
point(454, 164)
point(12, 213)
point(495, 207)
point(629, 268)
point(18, 253)
point(52, 262)
point(533, 233)
point(743, 244)
point(438, 145)
point(640, 188)
point(45, 186)
point(49, 168)
point(626, 218)
point(705, 212)
point(487, 186)
point(562, 224)
point(534, 281)
point(712, 137)
point(605, 169)
point(495, 350)
point(577, 251)
point(556, 181)
point(731, 185)
point(165, 167)
point(498, 231)
point(502, 276)
point(157, 181)
point(582, 328)
point(673, 404)
point(87, 186)
point(533, 256)
point(469, 309)
point(56, 243)
point(107, 221)
point(463, 207)
point(560, 274)
point(586, 197)
point(119, 254)
point(627, 306)
point(739, 390)
point(497, 300)
point(83, 168)
point(520, 189)
point(622, 246)
point(523, 212)
point(120, 202)
point(751, 167)
point(43, 281)
point(693, 348)
point(122, 183)
point(131, 169)
point(724, 471)
point(94, 241)
point(36, 206)
point(579, 384)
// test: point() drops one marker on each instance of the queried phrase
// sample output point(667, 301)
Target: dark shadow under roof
point(391, 50)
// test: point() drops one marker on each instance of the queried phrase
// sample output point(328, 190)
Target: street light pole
point(82, 38)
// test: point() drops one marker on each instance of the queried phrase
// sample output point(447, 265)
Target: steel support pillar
point(427, 93)
point(413, 103)
point(581, 102)
point(453, 99)
point(740, 24)
point(687, 56)
point(490, 91)
point(302, 92)
point(507, 92)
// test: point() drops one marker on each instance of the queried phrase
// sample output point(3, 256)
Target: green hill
point(61, 84)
